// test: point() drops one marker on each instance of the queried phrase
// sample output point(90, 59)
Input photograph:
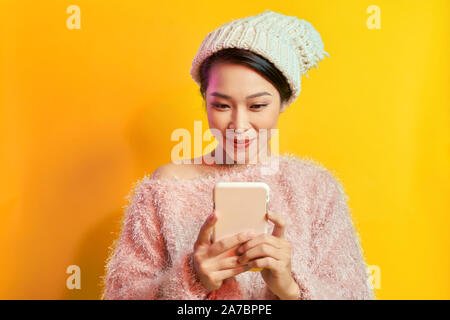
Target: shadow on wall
point(148, 134)
point(143, 143)
point(92, 255)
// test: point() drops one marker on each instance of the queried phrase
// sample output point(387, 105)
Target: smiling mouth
point(242, 140)
point(242, 143)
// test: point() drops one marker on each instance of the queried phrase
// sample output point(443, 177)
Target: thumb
point(205, 231)
point(280, 224)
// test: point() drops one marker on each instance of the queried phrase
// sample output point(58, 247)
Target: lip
point(242, 144)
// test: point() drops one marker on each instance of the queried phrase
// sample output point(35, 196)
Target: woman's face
point(243, 107)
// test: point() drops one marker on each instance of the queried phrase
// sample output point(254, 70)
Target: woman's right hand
point(211, 269)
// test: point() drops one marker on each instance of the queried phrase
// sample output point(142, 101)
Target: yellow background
point(85, 113)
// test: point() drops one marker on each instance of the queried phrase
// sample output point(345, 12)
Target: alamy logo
point(237, 145)
point(374, 276)
point(374, 20)
point(74, 20)
point(74, 280)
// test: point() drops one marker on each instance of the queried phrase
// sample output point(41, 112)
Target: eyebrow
point(221, 95)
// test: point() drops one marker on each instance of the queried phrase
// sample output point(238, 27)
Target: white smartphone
point(240, 207)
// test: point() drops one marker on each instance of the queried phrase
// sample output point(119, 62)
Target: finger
point(228, 273)
point(228, 243)
point(225, 263)
point(267, 263)
point(258, 240)
point(206, 229)
point(280, 224)
point(260, 251)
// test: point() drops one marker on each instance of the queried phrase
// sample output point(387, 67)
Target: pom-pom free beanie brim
point(291, 44)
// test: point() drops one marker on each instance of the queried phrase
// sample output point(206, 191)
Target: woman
point(249, 72)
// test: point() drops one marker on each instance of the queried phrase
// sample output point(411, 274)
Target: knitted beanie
point(291, 44)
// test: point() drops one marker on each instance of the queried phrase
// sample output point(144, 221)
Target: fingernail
point(250, 234)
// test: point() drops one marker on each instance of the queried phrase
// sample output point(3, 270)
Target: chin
point(245, 156)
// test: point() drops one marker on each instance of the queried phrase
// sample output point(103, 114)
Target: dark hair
point(246, 58)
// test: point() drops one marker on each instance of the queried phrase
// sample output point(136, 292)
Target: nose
point(239, 121)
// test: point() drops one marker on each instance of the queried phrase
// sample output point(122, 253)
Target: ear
point(283, 107)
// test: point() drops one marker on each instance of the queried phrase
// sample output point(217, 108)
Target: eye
point(219, 106)
point(259, 106)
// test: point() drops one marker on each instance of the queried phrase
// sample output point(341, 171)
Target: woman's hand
point(273, 253)
point(211, 268)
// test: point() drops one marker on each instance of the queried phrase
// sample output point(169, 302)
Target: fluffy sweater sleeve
point(138, 267)
point(336, 269)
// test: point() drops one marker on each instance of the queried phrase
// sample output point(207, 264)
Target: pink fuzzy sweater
point(152, 257)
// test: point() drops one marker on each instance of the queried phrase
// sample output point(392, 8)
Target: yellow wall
point(86, 112)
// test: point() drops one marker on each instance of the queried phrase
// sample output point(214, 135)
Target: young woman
point(249, 72)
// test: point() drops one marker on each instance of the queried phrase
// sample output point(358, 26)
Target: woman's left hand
point(273, 253)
